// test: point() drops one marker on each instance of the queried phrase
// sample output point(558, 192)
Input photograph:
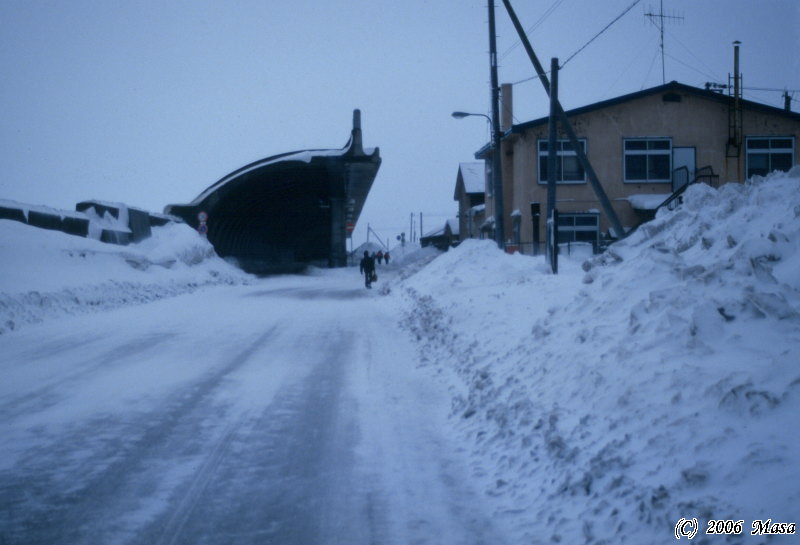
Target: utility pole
point(497, 169)
point(660, 25)
point(552, 145)
point(567, 127)
point(421, 230)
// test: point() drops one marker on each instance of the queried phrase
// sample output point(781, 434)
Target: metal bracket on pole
point(565, 124)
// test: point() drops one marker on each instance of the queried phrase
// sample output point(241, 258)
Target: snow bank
point(45, 274)
point(657, 381)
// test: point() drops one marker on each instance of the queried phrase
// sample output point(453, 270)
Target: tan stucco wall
point(695, 121)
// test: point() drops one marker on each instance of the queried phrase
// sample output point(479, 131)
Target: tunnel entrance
point(286, 212)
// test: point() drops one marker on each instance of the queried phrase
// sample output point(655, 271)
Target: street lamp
point(497, 177)
point(462, 115)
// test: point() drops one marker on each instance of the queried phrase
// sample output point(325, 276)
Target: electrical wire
point(533, 27)
point(617, 18)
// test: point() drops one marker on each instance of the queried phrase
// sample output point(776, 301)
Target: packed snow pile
point(47, 273)
point(657, 381)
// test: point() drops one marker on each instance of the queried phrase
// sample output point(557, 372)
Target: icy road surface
point(290, 411)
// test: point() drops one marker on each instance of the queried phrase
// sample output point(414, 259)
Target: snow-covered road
point(288, 411)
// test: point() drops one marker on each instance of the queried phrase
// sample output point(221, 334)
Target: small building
point(470, 193)
point(444, 237)
point(644, 147)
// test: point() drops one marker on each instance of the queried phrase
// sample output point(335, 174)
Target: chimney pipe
point(787, 101)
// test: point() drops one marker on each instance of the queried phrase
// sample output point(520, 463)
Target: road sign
point(202, 217)
point(350, 226)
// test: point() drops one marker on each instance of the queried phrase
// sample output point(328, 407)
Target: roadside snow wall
point(46, 274)
point(660, 380)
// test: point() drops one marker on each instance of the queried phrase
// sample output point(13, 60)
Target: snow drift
point(48, 274)
point(657, 381)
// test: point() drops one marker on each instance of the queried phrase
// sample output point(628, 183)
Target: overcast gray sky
point(149, 102)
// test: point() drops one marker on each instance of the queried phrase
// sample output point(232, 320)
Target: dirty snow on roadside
point(657, 381)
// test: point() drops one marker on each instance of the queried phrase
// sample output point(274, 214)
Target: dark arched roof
point(287, 211)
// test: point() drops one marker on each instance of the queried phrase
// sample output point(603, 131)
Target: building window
point(568, 168)
point(579, 227)
point(766, 154)
point(648, 160)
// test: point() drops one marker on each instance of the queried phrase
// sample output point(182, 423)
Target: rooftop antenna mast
point(658, 19)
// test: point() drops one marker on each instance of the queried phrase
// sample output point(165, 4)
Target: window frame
point(769, 151)
point(648, 153)
point(541, 157)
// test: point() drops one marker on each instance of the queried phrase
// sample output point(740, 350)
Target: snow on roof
point(647, 201)
point(477, 209)
point(27, 208)
point(452, 223)
point(473, 174)
point(304, 156)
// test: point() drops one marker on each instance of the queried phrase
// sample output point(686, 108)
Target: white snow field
point(155, 394)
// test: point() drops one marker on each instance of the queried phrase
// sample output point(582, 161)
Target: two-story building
point(643, 146)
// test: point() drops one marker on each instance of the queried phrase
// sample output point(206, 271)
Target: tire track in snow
point(48, 498)
point(287, 477)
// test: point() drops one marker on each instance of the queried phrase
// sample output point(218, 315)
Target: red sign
point(350, 226)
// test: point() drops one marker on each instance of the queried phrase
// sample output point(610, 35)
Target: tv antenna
point(659, 19)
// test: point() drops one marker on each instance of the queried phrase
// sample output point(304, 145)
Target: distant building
point(471, 196)
point(644, 147)
point(444, 237)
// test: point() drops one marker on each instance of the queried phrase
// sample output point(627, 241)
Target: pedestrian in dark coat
point(380, 257)
point(386, 257)
point(367, 268)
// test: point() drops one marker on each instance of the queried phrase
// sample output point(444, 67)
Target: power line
point(533, 27)
point(617, 18)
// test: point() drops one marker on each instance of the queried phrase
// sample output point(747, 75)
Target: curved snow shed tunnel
point(288, 211)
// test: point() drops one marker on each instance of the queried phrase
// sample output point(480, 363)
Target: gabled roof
point(450, 224)
point(473, 175)
point(671, 87)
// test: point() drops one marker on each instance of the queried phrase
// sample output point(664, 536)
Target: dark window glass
point(781, 161)
point(757, 164)
point(635, 167)
point(658, 167)
point(658, 144)
point(757, 143)
point(781, 143)
point(586, 220)
point(572, 169)
point(636, 144)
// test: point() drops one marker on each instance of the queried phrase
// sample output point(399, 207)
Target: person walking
point(386, 257)
point(367, 268)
